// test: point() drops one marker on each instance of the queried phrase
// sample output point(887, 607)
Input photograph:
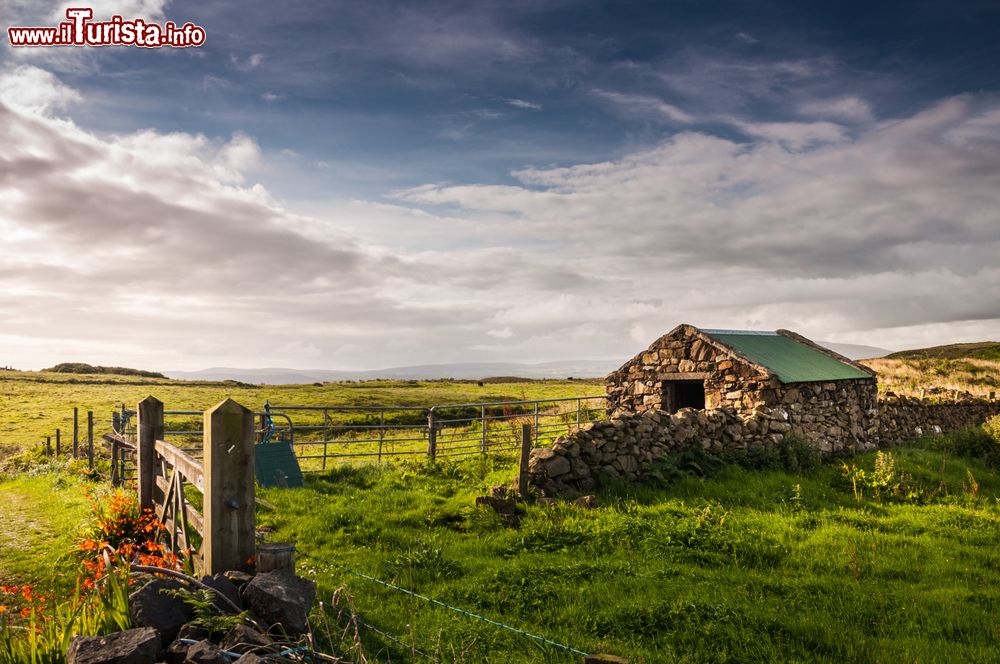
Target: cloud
point(849, 109)
point(35, 90)
point(872, 233)
point(794, 135)
point(252, 61)
point(645, 105)
point(746, 38)
point(878, 230)
point(521, 103)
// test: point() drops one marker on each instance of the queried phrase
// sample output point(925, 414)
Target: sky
point(356, 185)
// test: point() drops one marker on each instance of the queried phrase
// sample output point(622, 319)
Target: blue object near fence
point(276, 465)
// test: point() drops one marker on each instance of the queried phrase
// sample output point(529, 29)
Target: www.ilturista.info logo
point(79, 30)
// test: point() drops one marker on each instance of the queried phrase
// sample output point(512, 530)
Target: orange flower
point(3, 608)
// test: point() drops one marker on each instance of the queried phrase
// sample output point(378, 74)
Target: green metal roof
point(791, 360)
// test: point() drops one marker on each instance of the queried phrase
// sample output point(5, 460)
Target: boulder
point(281, 598)
point(205, 652)
point(151, 607)
point(225, 587)
point(134, 646)
point(557, 465)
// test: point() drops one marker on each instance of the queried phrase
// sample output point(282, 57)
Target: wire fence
point(323, 436)
point(442, 605)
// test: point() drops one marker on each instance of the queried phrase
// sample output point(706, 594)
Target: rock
point(134, 646)
point(177, 653)
point(205, 652)
point(238, 578)
point(281, 598)
point(150, 607)
point(498, 505)
point(227, 588)
point(557, 465)
point(589, 501)
point(244, 639)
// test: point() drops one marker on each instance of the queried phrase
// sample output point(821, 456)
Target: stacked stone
point(623, 446)
point(729, 383)
point(834, 416)
point(904, 418)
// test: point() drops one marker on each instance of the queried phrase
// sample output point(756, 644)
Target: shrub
point(124, 531)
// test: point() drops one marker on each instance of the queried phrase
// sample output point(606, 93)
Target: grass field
point(34, 404)
point(744, 566)
point(765, 565)
point(936, 376)
point(740, 566)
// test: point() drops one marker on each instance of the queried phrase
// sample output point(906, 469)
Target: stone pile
point(278, 603)
point(904, 418)
point(623, 446)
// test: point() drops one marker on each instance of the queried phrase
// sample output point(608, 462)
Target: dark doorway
point(679, 394)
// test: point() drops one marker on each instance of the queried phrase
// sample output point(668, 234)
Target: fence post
point(229, 540)
point(76, 432)
point(483, 425)
point(58, 443)
point(431, 435)
point(90, 438)
point(149, 427)
point(115, 469)
point(48, 445)
point(522, 476)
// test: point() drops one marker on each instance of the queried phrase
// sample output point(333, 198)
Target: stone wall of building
point(831, 415)
point(729, 382)
point(623, 446)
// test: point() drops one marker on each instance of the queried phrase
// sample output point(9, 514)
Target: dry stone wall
point(903, 418)
point(623, 446)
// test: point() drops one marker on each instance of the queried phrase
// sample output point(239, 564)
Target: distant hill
point(458, 371)
point(981, 350)
point(462, 371)
point(81, 368)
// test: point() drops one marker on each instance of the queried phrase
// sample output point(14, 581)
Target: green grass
point(41, 515)
point(743, 567)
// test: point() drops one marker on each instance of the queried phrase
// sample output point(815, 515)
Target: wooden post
point(115, 470)
point(431, 435)
point(90, 438)
point(116, 421)
point(48, 445)
point(522, 476)
point(76, 432)
point(229, 538)
point(150, 429)
point(275, 556)
point(58, 443)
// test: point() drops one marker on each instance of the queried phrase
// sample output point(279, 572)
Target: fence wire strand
point(439, 603)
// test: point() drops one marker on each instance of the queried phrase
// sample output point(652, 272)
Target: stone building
point(829, 399)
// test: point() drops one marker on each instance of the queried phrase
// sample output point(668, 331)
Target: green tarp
point(276, 465)
point(792, 361)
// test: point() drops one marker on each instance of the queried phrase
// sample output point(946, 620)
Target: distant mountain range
point(458, 371)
